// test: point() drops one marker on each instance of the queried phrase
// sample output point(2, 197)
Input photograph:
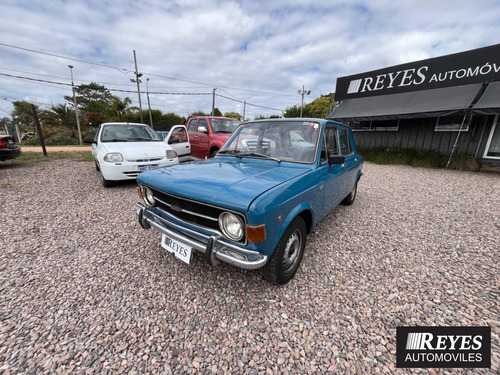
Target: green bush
point(419, 158)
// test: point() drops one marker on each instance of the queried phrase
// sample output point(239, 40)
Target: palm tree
point(121, 106)
point(59, 115)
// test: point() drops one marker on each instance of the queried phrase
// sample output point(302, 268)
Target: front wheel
point(213, 152)
point(106, 183)
point(285, 261)
point(351, 197)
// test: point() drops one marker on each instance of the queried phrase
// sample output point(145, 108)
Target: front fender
point(304, 206)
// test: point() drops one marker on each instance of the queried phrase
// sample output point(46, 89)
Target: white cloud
point(262, 46)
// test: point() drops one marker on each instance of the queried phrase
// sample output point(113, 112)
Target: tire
point(213, 152)
point(97, 167)
point(286, 258)
point(106, 183)
point(351, 196)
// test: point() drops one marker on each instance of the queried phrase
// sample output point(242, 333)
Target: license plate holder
point(147, 167)
point(179, 249)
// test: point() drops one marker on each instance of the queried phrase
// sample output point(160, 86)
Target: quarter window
point(345, 142)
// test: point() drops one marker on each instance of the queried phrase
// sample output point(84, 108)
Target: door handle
point(187, 146)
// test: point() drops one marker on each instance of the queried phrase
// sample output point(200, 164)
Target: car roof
point(124, 123)
point(320, 120)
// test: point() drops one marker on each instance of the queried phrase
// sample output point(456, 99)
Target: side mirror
point(89, 140)
point(335, 159)
point(202, 129)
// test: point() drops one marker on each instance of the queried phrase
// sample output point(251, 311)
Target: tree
point(121, 106)
point(318, 108)
point(59, 115)
point(199, 112)
point(217, 112)
point(92, 98)
point(233, 115)
point(22, 116)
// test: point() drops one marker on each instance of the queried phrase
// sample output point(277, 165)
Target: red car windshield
point(220, 125)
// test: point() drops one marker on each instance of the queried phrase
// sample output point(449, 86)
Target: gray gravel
point(84, 289)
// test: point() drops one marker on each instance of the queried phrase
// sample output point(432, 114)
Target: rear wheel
point(285, 261)
point(351, 197)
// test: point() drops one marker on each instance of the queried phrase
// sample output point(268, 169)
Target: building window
point(451, 124)
point(382, 126)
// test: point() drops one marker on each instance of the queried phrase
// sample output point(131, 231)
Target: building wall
point(419, 134)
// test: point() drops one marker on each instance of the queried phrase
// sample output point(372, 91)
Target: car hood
point(231, 184)
point(137, 150)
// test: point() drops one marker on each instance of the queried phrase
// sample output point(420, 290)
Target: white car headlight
point(148, 196)
point(232, 226)
point(113, 157)
point(171, 154)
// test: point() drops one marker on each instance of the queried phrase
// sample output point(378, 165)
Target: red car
point(207, 134)
point(8, 148)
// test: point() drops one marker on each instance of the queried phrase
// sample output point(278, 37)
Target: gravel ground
point(84, 289)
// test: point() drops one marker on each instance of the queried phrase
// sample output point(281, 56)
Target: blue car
point(253, 204)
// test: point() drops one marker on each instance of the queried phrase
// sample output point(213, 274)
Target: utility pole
point(137, 76)
point(303, 92)
point(149, 104)
point(213, 101)
point(76, 106)
point(244, 109)
point(39, 129)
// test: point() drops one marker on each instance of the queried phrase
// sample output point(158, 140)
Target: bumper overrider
point(214, 248)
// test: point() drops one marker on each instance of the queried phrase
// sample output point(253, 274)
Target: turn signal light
point(139, 193)
point(256, 234)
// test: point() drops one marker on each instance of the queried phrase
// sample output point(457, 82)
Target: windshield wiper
point(245, 154)
point(115, 140)
point(140, 139)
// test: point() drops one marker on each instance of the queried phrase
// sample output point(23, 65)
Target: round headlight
point(148, 196)
point(171, 154)
point(113, 157)
point(232, 226)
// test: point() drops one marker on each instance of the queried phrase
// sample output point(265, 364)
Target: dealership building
point(427, 105)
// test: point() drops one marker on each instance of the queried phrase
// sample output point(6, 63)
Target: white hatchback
point(123, 150)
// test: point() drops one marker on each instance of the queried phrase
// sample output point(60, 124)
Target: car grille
point(132, 174)
point(143, 160)
point(190, 211)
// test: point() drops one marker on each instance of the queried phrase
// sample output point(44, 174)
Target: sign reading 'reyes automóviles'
point(475, 66)
point(459, 347)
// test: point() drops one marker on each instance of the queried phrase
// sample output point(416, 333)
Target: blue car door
point(333, 176)
point(351, 161)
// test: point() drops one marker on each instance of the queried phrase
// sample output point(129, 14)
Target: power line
point(121, 70)
point(253, 105)
point(135, 92)
point(126, 71)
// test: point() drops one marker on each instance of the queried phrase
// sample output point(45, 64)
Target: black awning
point(417, 104)
point(490, 100)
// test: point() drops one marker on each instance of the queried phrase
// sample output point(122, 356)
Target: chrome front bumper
point(214, 248)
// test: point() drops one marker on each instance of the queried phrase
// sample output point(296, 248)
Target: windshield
point(293, 141)
point(221, 125)
point(129, 133)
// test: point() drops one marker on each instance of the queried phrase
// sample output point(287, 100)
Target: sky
point(261, 52)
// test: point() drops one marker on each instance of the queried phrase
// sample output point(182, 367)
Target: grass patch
point(38, 157)
point(419, 158)
point(6, 185)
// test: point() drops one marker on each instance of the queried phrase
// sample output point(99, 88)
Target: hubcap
point(292, 251)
